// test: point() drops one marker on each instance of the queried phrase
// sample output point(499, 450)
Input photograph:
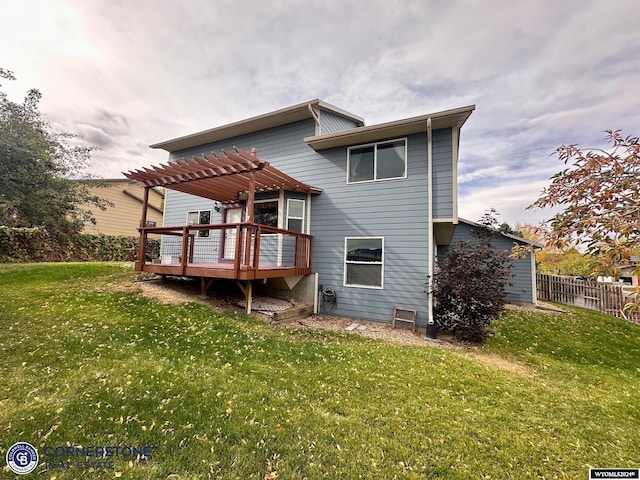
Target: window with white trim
point(295, 215)
point(377, 161)
point(364, 262)
point(200, 217)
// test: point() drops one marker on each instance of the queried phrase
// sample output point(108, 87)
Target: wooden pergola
point(226, 177)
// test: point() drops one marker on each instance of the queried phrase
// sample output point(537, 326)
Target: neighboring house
point(122, 217)
point(627, 275)
point(522, 286)
point(359, 210)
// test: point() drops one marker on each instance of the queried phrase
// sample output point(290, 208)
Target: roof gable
point(295, 113)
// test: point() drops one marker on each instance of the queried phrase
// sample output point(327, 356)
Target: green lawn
point(84, 363)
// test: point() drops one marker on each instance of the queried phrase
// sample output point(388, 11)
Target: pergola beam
point(219, 176)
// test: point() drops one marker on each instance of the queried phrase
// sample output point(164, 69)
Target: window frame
point(302, 219)
point(346, 263)
point(375, 161)
point(201, 233)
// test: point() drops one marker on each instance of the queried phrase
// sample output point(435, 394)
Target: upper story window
point(200, 217)
point(295, 215)
point(377, 161)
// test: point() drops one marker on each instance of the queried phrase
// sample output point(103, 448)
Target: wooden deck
point(240, 251)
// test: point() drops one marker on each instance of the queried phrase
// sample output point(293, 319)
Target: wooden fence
point(602, 297)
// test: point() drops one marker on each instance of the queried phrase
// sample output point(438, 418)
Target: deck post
point(247, 289)
point(205, 284)
point(249, 296)
point(184, 259)
point(142, 243)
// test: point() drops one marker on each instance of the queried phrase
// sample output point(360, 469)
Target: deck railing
point(241, 250)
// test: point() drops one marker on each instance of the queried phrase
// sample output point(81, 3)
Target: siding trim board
point(455, 142)
point(431, 234)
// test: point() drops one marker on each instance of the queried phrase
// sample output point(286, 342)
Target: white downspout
point(430, 215)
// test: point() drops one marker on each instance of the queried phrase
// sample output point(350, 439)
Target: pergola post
point(249, 217)
point(142, 243)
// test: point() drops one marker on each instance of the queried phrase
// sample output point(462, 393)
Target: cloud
point(128, 74)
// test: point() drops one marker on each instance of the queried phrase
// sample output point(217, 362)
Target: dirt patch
point(541, 307)
point(376, 330)
point(157, 292)
point(502, 363)
point(173, 291)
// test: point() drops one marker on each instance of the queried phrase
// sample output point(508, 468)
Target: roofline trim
point(397, 127)
point(508, 235)
point(260, 122)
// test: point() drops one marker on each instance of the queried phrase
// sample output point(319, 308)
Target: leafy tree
point(490, 220)
point(36, 164)
point(600, 193)
point(470, 285)
point(567, 260)
point(572, 262)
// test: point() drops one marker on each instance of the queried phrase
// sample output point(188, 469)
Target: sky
point(125, 74)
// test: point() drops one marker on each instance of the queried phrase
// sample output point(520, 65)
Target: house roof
point(447, 118)
point(277, 118)
point(219, 176)
point(508, 235)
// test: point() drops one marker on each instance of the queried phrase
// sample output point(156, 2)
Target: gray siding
point(443, 174)
point(331, 122)
point(393, 209)
point(521, 288)
point(181, 203)
point(282, 146)
point(177, 205)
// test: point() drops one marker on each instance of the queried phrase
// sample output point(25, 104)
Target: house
point(122, 216)
point(628, 273)
point(522, 286)
point(308, 199)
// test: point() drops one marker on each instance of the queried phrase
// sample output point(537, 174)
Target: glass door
point(233, 215)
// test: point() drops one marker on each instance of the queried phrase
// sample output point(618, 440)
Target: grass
point(225, 396)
